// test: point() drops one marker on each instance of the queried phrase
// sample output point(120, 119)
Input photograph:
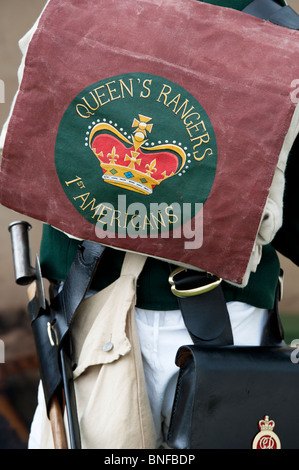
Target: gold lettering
point(201, 140)
point(84, 198)
point(73, 181)
point(146, 221)
point(142, 95)
point(158, 221)
point(204, 154)
point(123, 85)
point(115, 218)
point(133, 217)
point(184, 106)
point(126, 220)
point(88, 105)
point(93, 207)
point(100, 96)
point(195, 126)
point(164, 93)
point(89, 113)
point(191, 122)
point(104, 208)
point(174, 100)
point(175, 217)
point(112, 91)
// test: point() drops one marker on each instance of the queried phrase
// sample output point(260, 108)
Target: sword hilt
point(24, 272)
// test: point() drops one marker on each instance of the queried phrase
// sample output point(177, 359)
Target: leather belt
point(203, 306)
point(202, 303)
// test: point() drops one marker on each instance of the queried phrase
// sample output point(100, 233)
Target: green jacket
point(153, 290)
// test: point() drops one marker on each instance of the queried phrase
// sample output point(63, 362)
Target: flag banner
point(155, 127)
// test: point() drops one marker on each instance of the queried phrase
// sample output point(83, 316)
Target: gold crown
point(266, 424)
point(119, 166)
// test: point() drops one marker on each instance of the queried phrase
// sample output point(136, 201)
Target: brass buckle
point(195, 290)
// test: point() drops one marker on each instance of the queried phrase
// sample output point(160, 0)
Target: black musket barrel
point(24, 272)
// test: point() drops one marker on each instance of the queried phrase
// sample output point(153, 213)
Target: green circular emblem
point(136, 151)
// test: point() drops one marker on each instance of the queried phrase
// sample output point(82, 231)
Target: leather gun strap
point(63, 310)
point(205, 315)
point(77, 283)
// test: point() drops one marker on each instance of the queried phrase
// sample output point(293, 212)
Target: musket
point(51, 322)
point(38, 308)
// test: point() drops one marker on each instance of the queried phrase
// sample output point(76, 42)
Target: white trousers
point(161, 333)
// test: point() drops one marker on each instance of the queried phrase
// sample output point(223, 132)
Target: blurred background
point(19, 373)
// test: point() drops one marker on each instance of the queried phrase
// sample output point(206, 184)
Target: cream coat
point(113, 407)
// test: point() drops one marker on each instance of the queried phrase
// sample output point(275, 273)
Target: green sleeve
point(153, 290)
point(261, 288)
point(57, 252)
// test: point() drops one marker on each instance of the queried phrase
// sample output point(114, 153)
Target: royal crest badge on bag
point(231, 397)
point(266, 438)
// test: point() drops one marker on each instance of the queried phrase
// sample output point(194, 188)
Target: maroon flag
point(155, 127)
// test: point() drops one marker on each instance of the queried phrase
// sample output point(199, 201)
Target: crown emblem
point(266, 438)
point(266, 424)
point(129, 163)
